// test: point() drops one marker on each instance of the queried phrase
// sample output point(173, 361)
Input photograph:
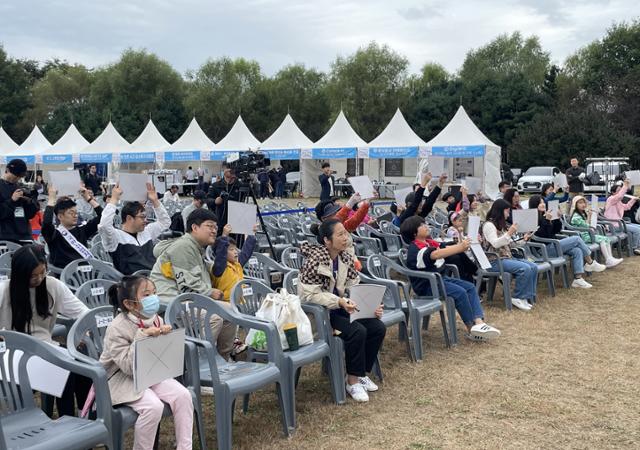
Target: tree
point(138, 87)
point(368, 86)
point(15, 82)
point(219, 91)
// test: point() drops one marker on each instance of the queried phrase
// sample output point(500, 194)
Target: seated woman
point(614, 209)
point(328, 272)
point(429, 255)
point(497, 238)
point(572, 246)
point(512, 197)
point(549, 193)
point(30, 303)
point(580, 216)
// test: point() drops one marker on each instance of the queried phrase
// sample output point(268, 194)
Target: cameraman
point(228, 188)
point(17, 204)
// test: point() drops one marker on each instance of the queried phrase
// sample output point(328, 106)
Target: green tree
point(15, 82)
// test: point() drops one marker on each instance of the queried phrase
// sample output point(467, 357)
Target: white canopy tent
point(71, 143)
point(238, 139)
point(340, 142)
point(7, 145)
point(191, 146)
point(286, 141)
point(109, 142)
point(34, 144)
point(461, 138)
point(146, 147)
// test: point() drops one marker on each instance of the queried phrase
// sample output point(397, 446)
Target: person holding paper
point(498, 240)
point(223, 190)
point(330, 209)
point(229, 261)
point(428, 255)
point(415, 199)
point(131, 247)
point(327, 274)
point(456, 227)
point(135, 305)
point(580, 216)
point(512, 196)
point(549, 191)
point(327, 182)
point(30, 303)
point(470, 203)
point(572, 246)
point(68, 241)
point(614, 210)
point(17, 205)
point(180, 267)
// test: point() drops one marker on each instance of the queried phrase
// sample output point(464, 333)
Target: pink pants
point(150, 407)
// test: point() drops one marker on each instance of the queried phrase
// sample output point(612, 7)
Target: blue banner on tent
point(137, 157)
point(57, 159)
point(95, 158)
point(393, 152)
point(222, 156)
point(285, 153)
point(189, 155)
point(459, 151)
point(26, 159)
point(334, 153)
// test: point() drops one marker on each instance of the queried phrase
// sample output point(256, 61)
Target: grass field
point(565, 375)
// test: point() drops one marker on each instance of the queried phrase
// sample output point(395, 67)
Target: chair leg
point(451, 319)
point(197, 408)
point(564, 270)
point(416, 334)
point(506, 290)
point(282, 401)
point(405, 331)
point(377, 370)
point(337, 371)
point(445, 332)
point(224, 419)
point(491, 288)
point(245, 403)
point(288, 392)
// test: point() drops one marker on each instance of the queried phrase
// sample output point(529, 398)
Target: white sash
point(73, 242)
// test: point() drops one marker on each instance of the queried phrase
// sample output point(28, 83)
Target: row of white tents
point(459, 139)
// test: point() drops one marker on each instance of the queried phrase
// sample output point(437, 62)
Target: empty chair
point(5, 274)
point(263, 268)
point(292, 258)
point(8, 246)
point(93, 293)
point(80, 271)
point(24, 425)
point(98, 252)
point(5, 260)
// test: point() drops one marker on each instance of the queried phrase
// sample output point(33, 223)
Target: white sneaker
point(357, 392)
point(521, 304)
point(613, 262)
point(484, 331)
point(368, 385)
point(636, 251)
point(595, 266)
point(580, 283)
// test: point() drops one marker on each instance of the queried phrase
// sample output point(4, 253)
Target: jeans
point(466, 299)
point(634, 234)
point(279, 189)
point(575, 247)
point(362, 341)
point(525, 274)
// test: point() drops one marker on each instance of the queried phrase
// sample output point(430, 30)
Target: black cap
point(446, 196)
point(17, 167)
point(326, 209)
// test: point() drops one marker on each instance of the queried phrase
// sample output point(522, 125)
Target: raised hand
point(116, 192)
point(226, 231)
point(426, 178)
point(152, 195)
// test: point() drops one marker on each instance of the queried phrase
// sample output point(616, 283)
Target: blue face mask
point(150, 305)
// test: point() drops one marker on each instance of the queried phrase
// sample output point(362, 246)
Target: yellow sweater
point(225, 282)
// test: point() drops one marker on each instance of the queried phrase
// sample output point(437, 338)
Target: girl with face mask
point(135, 317)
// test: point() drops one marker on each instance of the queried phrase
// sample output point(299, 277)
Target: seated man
point(69, 240)
point(171, 195)
point(181, 268)
point(131, 247)
point(199, 198)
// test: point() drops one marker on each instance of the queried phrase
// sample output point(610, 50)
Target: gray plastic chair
point(560, 262)
point(228, 380)
point(5, 259)
point(536, 252)
point(98, 251)
point(246, 298)
point(261, 267)
point(5, 274)
point(492, 278)
point(292, 258)
point(24, 425)
point(8, 246)
point(93, 293)
point(85, 332)
point(80, 271)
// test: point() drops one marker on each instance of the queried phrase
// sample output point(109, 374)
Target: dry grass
point(565, 375)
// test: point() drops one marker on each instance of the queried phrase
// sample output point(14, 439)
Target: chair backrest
point(5, 260)
point(93, 293)
point(89, 330)
point(261, 267)
point(8, 246)
point(247, 296)
point(98, 251)
point(5, 274)
point(365, 246)
point(80, 271)
point(391, 299)
point(291, 282)
point(374, 267)
point(292, 258)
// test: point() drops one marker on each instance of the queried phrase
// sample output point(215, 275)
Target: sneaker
point(636, 251)
point(357, 392)
point(521, 304)
point(238, 347)
point(475, 338)
point(580, 283)
point(613, 262)
point(484, 331)
point(368, 385)
point(595, 266)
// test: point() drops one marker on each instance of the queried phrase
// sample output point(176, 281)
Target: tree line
point(541, 113)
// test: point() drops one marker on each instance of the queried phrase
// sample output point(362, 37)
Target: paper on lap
point(134, 187)
point(241, 217)
point(368, 297)
point(480, 255)
point(363, 186)
point(526, 219)
point(157, 359)
point(66, 182)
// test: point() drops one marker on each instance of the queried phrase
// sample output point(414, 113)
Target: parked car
point(535, 177)
point(601, 173)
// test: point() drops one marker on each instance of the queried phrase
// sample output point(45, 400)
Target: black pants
point(362, 340)
point(466, 266)
point(75, 392)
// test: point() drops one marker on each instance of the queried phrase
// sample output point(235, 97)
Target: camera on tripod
point(248, 163)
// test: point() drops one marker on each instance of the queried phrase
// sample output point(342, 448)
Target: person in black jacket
point(327, 183)
point(575, 174)
point(17, 205)
point(414, 199)
point(228, 188)
point(92, 180)
point(64, 248)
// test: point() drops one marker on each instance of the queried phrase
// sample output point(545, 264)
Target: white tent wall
point(310, 170)
point(492, 173)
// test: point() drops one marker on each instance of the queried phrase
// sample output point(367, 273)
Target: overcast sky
point(278, 32)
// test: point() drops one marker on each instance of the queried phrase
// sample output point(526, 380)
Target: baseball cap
point(17, 167)
point(326, 209)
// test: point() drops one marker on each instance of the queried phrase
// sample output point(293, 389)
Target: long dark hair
point(126, 289)
point(508, 196)
point(24, 261)
point(496, 214)
point(324, 230)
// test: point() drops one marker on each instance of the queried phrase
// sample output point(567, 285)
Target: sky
point(277, 32)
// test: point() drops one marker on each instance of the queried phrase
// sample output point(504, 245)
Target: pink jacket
point(614, 208)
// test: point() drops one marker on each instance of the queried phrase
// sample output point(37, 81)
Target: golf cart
point(601, 173)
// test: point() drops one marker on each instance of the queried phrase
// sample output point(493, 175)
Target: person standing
point(92, 180)
point(200, 173)
point(263, 179)
point(575, 177)
point(281, 179)
point(327, 183)
point(228, 188)
point(191, 179)
point(17, 207)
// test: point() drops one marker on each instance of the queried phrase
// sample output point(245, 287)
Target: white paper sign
point(363, 186)
point(554, 209)
point(401, 194)
point(560, 181)
point(594, 211)
point(242, 217)
point(43, 376)
point(480, 256)
point(97, 291)
point(526, 219)
point(66, 182)
point(436, 166)
point(157, 359)
point(473, 185)
point(104, 321)
point(473, 228)
point(634, 177)
point(134, 187)
point(368, 297)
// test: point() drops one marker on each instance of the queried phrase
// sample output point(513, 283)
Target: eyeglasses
point(141, 216)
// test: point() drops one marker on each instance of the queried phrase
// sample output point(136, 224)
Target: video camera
point(248, 163)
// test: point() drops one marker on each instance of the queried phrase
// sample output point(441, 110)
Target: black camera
point(224, 195)
point(249, 163)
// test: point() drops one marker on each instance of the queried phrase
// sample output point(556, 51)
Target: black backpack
point(177, 223)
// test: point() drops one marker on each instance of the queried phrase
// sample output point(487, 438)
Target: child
point(580, 216)
point(136, 304)
point(456, 226)
point(549, 193)
point(428, 255)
